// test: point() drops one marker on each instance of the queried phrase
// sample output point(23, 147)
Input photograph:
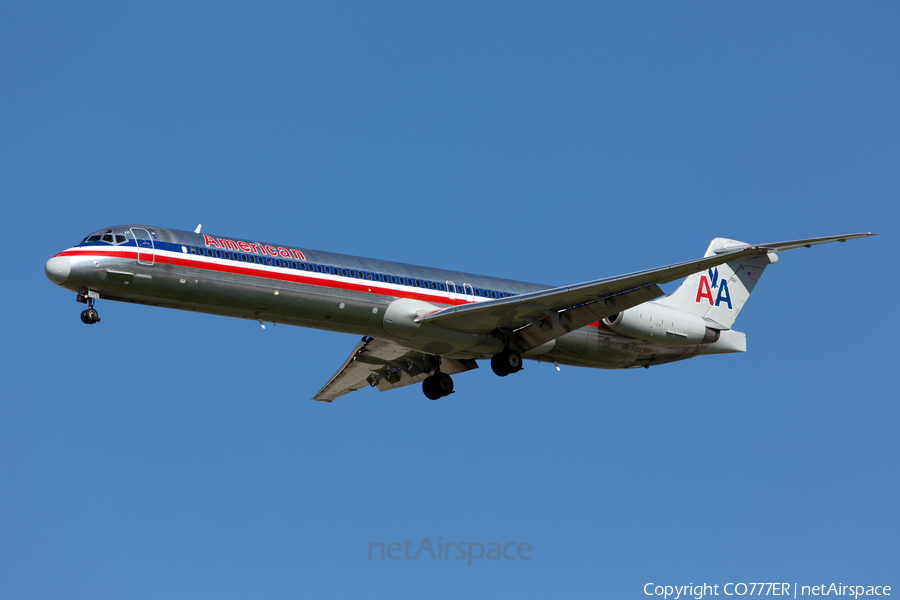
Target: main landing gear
point(90, 315)
point(437, 386)
point(505, 362)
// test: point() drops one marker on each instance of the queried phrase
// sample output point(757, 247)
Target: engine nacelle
point(662, 324)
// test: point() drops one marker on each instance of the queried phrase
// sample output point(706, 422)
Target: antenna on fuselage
point(198, 228)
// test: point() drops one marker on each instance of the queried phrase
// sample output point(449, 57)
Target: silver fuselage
point(287, 285)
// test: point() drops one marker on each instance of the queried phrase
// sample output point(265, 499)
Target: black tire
point(443, 383)
point(513, 360)
point(430, 389)
point(93, 316)
point(498, 365)
point(84, 317)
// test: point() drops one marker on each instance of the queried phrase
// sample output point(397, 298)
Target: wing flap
point(386, 366)
point(549, 327)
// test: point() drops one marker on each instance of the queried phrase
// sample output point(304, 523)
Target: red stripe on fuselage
point(369, 287)
point(366, 288)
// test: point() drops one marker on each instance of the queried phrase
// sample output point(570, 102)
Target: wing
point(536, 318)
point(386, 365)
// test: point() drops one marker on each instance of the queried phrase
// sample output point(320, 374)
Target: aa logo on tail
point(708, 284)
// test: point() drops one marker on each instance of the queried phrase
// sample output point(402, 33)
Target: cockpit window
point(93, 238)
point(120, 239)
point(108, 238)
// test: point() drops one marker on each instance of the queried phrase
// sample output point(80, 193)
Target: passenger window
point(269, 261)
point(218, 254)
point(344, 272)
point(418, 283)
point(443, 288)
point(319, 268)
point(293, 265)
point(277, 262)
point(369, 276)
point(393, 279)
point(493, 294)
point(193, 250)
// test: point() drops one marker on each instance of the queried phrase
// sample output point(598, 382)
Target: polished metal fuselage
point(167, 270)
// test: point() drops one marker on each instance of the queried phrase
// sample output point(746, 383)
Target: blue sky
point(166, 454)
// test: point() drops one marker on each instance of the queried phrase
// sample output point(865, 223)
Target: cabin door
point(145, 247)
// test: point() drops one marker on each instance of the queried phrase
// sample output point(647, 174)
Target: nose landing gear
point(89, 316)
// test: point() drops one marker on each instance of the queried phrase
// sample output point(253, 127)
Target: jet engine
point(663, 324)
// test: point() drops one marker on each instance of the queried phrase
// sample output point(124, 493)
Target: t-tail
point(703, 309)
point(720, 293)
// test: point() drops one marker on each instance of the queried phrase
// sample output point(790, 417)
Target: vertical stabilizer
point(719, 293)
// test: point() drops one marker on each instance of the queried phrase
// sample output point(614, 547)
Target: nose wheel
point(90, 315)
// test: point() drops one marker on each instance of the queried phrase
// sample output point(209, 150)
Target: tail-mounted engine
point(663, 324)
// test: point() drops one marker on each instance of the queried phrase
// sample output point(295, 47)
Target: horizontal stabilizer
point(794, 244)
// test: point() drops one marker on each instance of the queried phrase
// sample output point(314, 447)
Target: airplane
point(420, 324)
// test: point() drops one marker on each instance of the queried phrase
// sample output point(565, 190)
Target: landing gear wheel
point(437, 386)
point(89, 316)
point(497, 365)
point(430, 389)
point(505, 362)
point(443, 383)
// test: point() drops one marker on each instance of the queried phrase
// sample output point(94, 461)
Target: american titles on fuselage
point(226, 244)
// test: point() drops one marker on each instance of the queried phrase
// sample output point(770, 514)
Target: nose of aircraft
point(58, 268)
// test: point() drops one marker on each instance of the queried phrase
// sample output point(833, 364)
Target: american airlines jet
point(422, 325)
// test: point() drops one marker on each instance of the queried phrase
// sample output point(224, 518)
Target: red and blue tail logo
point(710, 282)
